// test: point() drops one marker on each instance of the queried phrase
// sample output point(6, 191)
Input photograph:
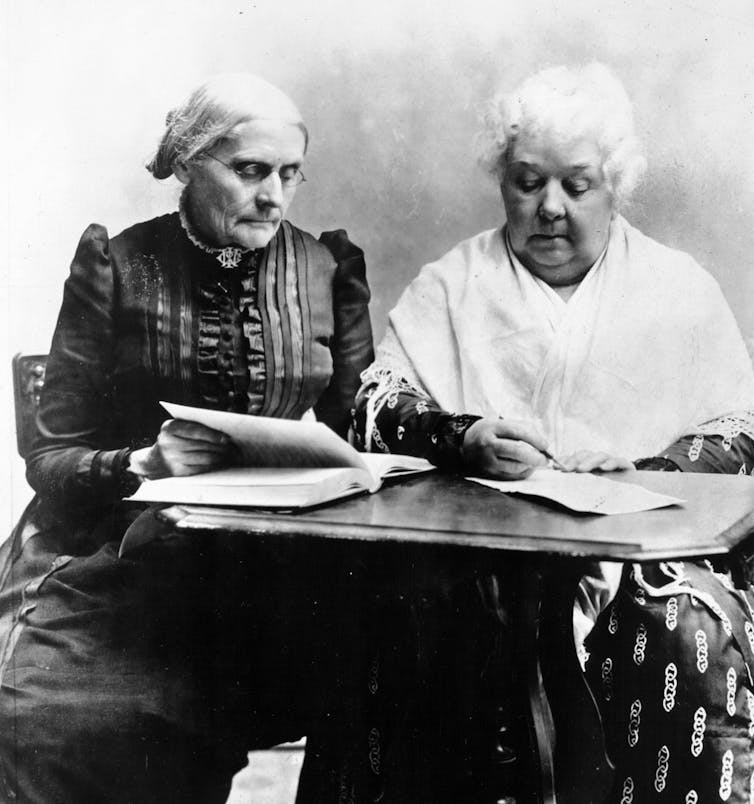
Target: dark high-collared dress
point(148, 678)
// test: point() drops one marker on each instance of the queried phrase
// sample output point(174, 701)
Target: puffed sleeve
point(352, 349)
point(71, 460)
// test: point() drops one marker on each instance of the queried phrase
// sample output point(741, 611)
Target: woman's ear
point(181, 172)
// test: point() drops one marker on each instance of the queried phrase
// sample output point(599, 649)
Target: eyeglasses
point(253, 172)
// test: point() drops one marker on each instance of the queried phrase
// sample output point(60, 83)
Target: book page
point(585, 493)
point(383, 464)
point(247, 476)
point(265, 441)
point(255, 486)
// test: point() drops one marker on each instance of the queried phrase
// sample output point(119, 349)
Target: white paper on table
point(585, 493)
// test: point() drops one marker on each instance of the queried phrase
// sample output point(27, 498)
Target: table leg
point(541, 727)
point(565, 724)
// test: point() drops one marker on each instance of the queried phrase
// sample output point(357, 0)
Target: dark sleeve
point(70, 460)
point(411, 423)
point(705, 453)
point(351, 348)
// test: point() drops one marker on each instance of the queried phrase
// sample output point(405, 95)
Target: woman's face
point(227, 207)
point(558, 206)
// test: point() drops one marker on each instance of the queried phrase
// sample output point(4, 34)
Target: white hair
point(212, 111)
point(567, 103)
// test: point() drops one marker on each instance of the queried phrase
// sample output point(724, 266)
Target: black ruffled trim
point(450, 434)
point(128, 481)
point(657, 465)
point(230, 356)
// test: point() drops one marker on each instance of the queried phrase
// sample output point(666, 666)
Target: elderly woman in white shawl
point(566, 330)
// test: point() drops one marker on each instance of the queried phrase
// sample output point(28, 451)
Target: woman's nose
point(552, 205)
point(270, 190)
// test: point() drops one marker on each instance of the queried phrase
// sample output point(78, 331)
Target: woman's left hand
point(588, 461)
point(183, 448)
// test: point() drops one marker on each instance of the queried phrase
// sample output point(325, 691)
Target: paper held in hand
point(286, 464)
point(584, 493)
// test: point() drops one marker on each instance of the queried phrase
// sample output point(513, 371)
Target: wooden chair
point(28, 381)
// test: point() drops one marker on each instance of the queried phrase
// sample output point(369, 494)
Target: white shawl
point(645, 351)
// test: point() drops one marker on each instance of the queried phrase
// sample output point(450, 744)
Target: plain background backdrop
point(392, 93)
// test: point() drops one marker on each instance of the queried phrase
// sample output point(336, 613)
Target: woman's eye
point(288, 173)
point(576, 188)
point(251, 170)
point(528, 185)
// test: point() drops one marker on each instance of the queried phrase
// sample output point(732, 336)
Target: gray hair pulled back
point(568, 102)
point(212, 111)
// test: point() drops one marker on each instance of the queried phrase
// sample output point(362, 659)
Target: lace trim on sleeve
point(657, 464)
point(730, 426)
point(380, 387)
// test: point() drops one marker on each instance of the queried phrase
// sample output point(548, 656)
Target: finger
point(202, 460)
point(193, 431)
point(184, 446)
point(516, 471)
point(602, 462)
point(520, 431)
point(591, 461)
point(184, 469)
point(173, 444)
point(570, 462)
point(507, 470)
point(615, 464)
point(518, 452)
point(194, 463)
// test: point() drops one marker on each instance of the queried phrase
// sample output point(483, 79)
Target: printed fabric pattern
point(671, 663)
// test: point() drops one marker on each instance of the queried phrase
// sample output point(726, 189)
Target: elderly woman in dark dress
point(568, 330)
point(149, 678)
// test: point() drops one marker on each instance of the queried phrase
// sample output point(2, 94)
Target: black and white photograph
point(379, 402)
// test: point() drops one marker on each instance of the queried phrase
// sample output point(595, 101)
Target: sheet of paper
point(585, 493)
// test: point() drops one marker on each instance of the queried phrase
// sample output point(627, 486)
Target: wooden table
point(447, 524)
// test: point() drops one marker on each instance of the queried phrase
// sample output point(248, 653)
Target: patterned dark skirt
point(671, 662)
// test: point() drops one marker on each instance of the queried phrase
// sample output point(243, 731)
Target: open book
point(286, 464)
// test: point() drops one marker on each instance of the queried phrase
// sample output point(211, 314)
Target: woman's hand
point(183, 448)
point(503, 448)
point(587, 461)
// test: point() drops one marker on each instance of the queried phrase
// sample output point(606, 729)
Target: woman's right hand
point(183, 448)
point(503, 449)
